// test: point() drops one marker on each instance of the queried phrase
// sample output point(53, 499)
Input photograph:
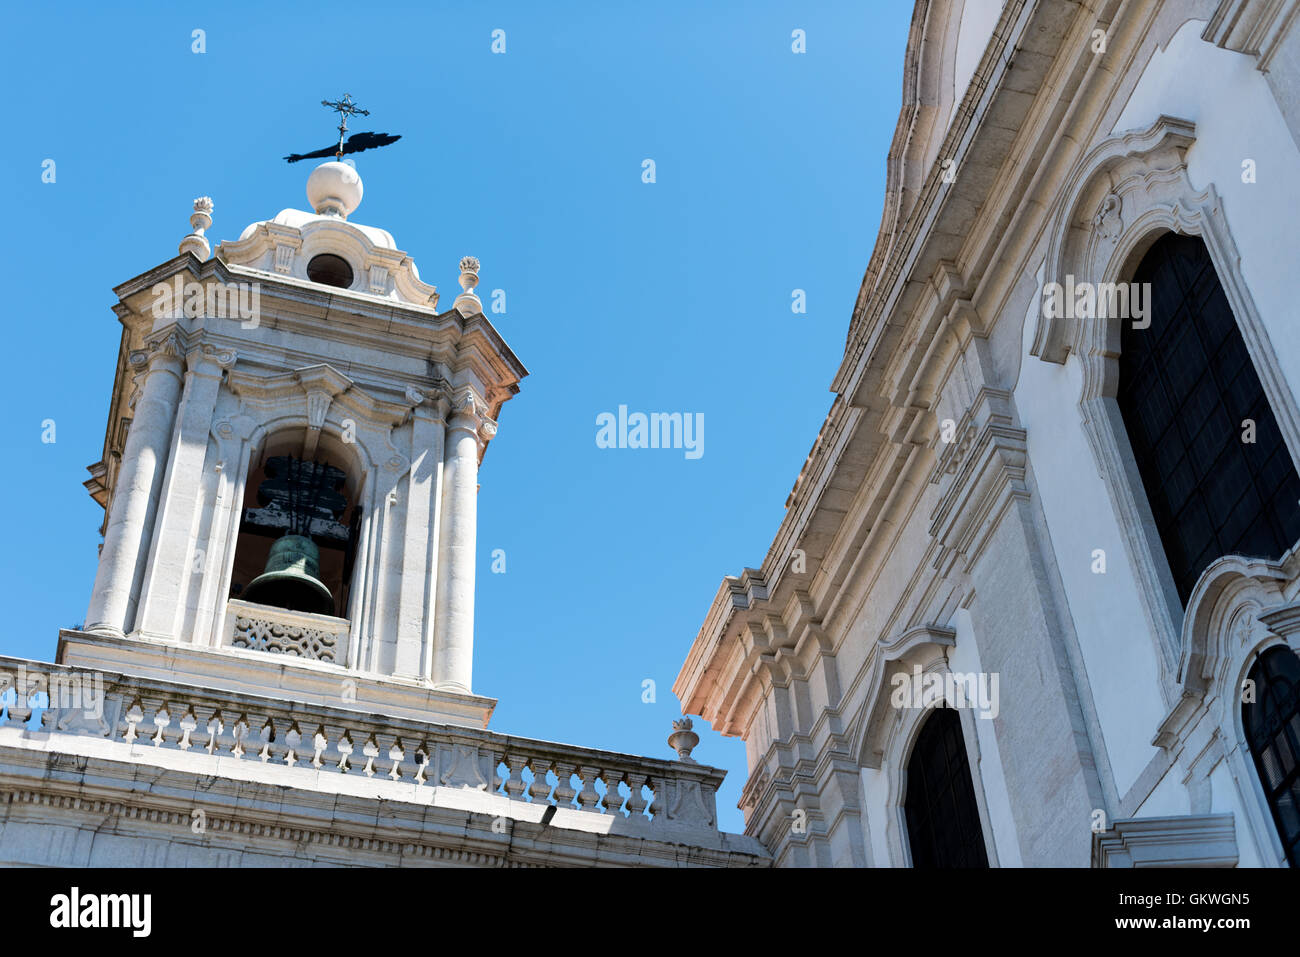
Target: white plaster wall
point(965, 659)
point(1236, 119)
point(1118, 649)
point(1167, 799)
point(1224, 796)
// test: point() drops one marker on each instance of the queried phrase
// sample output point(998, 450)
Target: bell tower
point(290, 469)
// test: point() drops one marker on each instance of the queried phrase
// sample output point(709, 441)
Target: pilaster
point(135, 499)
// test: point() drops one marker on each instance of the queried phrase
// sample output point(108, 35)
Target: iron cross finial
point(356, 143)
point(345, 108)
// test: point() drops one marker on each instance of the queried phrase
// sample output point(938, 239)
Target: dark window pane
point(1268, 721)
point(1185, 385)
point(943, 825)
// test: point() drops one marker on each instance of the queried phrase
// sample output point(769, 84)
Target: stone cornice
point(1256, 27)
point(1190, 840)
point(307, 827)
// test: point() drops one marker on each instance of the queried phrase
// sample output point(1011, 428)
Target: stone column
point(453, 646)
point(414, 656)
point(172, 557)
point(135, 495)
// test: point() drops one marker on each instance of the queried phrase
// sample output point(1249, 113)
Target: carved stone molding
point(1191, 840)
point(321, 383)
point(170, 346)
point(1239, 608)
point(1138, 172)
point(1255, 27)
point(984, 471)
point(287, 244)
point(284, 253)
point(217, 358)
point(924, 645)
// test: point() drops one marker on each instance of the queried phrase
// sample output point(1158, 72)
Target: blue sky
point(666, 297)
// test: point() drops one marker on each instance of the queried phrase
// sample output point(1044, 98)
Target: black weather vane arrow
point(356, 142)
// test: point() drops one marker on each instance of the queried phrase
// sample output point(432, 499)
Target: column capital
point(166, 352)
point(467, 411)
point(433, 404)
point(207, 359)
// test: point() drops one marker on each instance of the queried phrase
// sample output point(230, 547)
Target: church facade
point(1035, 600)
point(276, 665)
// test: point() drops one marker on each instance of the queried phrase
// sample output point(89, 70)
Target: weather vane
point(356, 142)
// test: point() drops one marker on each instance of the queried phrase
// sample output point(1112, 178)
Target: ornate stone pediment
point(285, 245)
point(1123, 180)
point(926, 646)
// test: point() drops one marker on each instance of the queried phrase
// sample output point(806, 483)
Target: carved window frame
point(1128, 191)
point(266, 406)
point(886, 736)
point(1240, 608)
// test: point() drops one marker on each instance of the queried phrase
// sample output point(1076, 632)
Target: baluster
point(161, 719)
point(319, 743)
point(613, 797)
point(20, 712)
point(371, 750)
point(540, 789)
point(134, 715)
point(216, 726)
point(636, 801)
point(588, 797)
point(422, 762)
point(266, 735)
point(514, 783)
point(397, 755)
point(187, 725)
point(238, 734)
point(564, 785)
point(292, 741)
point(344, 747)
point(37, 685)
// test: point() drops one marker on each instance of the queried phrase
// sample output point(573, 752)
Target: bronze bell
point(289, 580)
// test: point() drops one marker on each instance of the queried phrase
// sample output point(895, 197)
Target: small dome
point(334, 189)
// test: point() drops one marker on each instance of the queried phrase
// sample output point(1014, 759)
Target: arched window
point(298, 531)
point(1217, 485)
point(943, 822)
point(1272, 723)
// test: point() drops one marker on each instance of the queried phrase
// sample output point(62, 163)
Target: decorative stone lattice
point(277, 637)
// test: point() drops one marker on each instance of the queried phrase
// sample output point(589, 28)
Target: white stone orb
point(334, 189)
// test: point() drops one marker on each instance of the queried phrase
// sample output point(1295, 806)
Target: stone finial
point(683, 739)
point(468, 302)
point(200, 220)
point(469, 267)
point(335, 189)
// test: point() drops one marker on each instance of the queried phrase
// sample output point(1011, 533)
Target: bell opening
point(299, 529)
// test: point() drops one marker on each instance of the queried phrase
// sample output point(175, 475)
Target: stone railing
point(310, 743)
point(284, 632)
